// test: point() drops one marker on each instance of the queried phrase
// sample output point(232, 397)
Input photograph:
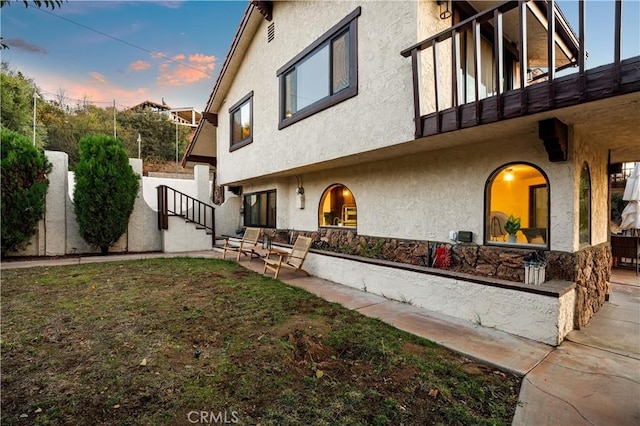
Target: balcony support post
point(416, 93)
point(581, 51)
point(617, 47)
point(499, 55)
point(434, 49)
point(551, 49)
point(455, 54)
point(522, 16)
point(477, 68)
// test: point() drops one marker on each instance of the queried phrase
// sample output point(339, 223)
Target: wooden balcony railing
point(443, 109)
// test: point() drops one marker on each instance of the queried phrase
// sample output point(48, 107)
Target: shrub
point(105, 191)
point(24, 187)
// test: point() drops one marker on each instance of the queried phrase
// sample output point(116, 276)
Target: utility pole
point(176, 147)
point(139, 140)
point(114, 119)
point(35, 96)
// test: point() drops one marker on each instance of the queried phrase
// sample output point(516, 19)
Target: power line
point(153, 54)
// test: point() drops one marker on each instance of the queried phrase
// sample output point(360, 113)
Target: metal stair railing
point(172, 202)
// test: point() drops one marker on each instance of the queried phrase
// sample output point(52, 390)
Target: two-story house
point(389, 129)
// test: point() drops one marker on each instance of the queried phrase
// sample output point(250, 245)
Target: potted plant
point(511, 227)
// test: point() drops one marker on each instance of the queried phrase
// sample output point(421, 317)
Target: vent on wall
point(271, 32)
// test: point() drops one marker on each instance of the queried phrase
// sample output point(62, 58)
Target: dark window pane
point(237, 127)
point(260, 209)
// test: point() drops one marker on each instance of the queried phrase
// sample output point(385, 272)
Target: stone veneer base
point(589, 268)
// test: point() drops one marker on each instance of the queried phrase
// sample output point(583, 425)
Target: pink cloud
point(90, 90)
point(98, 77)
point(197, 67)
point(139, 66)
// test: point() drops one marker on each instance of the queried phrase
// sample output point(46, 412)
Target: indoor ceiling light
point(508, 175)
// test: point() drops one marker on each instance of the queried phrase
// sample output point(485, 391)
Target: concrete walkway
point(593, 378)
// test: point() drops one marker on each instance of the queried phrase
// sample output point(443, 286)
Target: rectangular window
point(322, 75)
point(241, 122)
point(260, 209)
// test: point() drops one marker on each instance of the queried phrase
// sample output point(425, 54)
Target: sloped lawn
point(185, 341)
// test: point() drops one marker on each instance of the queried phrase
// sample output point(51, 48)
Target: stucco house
point(386, 130)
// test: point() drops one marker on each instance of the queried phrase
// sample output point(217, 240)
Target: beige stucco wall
point(380, 115)
point(594, 153)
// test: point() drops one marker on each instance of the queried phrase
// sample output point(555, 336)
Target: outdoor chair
point(247, 245)
point(293, 260)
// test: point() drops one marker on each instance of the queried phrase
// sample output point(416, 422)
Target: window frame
point(248, 98)
point(245, 210)
point(348, 24)
point(326, 193)
point(589, 201)
point(487, 209)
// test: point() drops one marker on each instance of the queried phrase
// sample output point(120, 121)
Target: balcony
point(527, 60)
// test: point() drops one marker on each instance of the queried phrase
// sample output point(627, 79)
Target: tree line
point(59, 126)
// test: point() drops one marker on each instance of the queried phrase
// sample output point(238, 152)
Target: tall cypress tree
point(24, 187)
point(105, 191)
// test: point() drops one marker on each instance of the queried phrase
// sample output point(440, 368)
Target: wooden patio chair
point(293, 260)
point(247, 245)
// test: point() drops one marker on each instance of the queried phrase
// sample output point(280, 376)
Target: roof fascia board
point(246, 30)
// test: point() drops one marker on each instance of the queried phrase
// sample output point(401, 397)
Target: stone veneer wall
point(589, 268)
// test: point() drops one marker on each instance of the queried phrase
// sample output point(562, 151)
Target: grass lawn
point(185, 341)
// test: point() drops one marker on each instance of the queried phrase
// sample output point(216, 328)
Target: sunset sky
point(123, 51)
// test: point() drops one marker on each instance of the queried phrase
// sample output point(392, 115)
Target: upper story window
point(338, 207)
point(322, 75)
point(260, 209)
point(241, 117)
point(517, 200)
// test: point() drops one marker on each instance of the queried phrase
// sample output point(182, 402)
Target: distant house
point(187, 116)
point(390, 129)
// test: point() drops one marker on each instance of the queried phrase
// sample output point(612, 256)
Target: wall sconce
point(445, 8)
point(300, 197)
point(345, 192)
point(508, 175)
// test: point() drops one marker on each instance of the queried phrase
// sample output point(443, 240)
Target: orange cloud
point(197, 67)
point(98, 77)
point(91, 91)
point(139, 66)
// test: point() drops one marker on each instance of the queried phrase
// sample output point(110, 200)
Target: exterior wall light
point(445, 8)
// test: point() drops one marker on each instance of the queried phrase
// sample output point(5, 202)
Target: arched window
point(517, 201)
point(584, 217)
point(338, 207)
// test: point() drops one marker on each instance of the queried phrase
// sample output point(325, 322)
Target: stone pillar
point(55, 222)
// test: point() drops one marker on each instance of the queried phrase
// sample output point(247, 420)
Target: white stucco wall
point(542, 318)
point(58, 233)
point(358, 124)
